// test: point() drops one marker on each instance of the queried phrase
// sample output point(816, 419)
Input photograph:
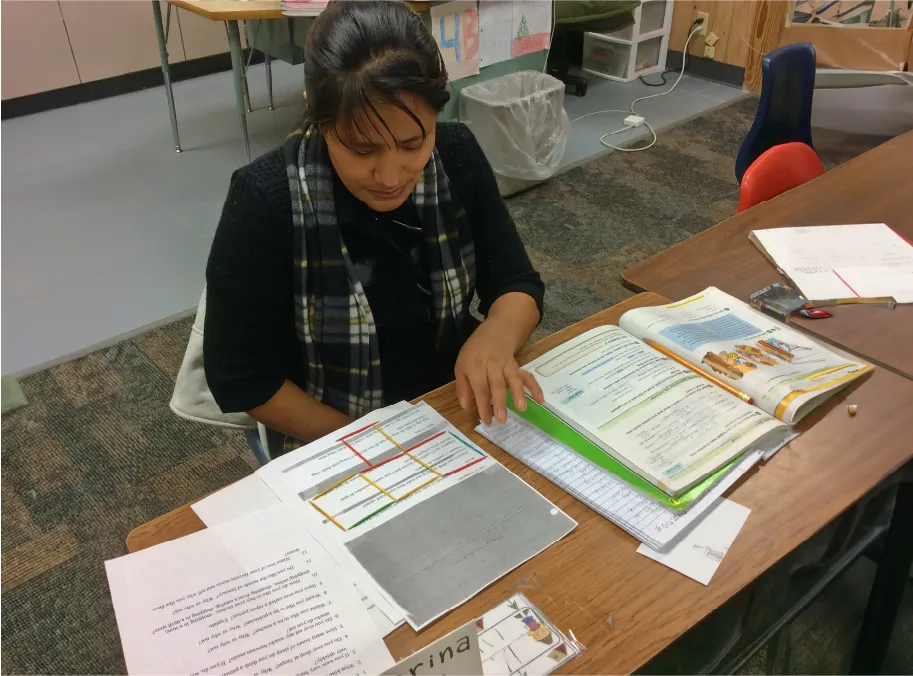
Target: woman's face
point(382, 168)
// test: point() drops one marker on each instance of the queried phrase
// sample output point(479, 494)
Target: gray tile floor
point(106, 230)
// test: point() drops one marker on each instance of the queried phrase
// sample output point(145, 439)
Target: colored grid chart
point(358, 497)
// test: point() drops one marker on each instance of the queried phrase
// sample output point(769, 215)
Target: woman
point(344, 263)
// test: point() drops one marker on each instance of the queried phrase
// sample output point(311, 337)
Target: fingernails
point(521, 404)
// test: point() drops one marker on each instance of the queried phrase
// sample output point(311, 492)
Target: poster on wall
point(531, 26)
point(455, 26)
point(495, 34)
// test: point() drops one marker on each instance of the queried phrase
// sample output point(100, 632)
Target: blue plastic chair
point(785, 108)
point(256, 446)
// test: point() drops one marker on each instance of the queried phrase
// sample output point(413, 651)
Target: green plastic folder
point(557, 429)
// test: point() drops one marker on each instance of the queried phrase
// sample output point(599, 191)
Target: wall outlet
point(712, 39)
point(706, 20)
point(709, 51)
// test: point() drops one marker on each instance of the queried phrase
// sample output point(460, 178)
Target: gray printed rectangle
point(433, 558)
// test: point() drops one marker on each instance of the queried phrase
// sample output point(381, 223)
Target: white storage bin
point(652, 17)
point(605, 58)
point(646, 59)
point(520, 123)
point(639, 49)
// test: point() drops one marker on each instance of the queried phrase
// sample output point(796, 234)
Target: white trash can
point(520, 122)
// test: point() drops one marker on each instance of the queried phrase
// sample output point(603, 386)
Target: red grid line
point(353, 449)
point(466, 466)
point(399, 455)
point(358, 431)
point(431, 438)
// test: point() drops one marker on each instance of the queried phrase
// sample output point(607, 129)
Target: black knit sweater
point(250, 342)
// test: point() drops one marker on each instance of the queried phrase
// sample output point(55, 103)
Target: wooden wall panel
point(114, 37)
point(729, 19)
point(764, 36)
point(27, 69)
point(739, 35)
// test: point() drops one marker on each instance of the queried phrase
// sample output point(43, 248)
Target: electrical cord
point(670, 70)
point(631, 111)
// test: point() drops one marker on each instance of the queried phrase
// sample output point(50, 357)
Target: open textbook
point(664, 422)
point(426, 513)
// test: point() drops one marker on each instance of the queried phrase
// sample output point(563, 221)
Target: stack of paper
point(255, 595)
point(647, 520)
point(831, 264)
point(406, 497)
point(398, 514)
point(303, 7)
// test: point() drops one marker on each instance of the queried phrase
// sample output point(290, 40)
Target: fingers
point(464, 390)
point(479, 381)
point(529, 380)
point(498, 389)
point(515, 383)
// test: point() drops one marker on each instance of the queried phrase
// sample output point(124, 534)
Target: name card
point(457, 654)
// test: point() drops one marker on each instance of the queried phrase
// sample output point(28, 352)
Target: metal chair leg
point(269, 79)
point(166, 70)
point(237, 71)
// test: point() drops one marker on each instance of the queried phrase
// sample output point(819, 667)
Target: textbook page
point(647, 520)
point(809, 255)
point(784, 371)
point(660, 419)
point(429, 515)
point(256, 595)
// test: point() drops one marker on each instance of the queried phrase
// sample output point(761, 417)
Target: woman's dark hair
point(363, 51)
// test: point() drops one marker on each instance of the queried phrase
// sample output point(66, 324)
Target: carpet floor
point(96, 452)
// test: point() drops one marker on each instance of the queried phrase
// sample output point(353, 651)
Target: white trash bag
point(520, 122)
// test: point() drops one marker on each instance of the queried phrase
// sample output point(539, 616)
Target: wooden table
point(871, 188)
point(595, 573)
point(231, 12)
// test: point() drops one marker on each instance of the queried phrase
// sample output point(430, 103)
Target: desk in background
point(267, 23)
point(870, 188)
point(634, 607)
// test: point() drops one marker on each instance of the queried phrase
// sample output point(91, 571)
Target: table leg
point(166, 70)
point(269, 79)
point(244, 67)
point(888, 587)
point(237, 71)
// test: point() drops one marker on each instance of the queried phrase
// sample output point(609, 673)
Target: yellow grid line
point(407, 453)
point(327, 516)
point(378, 487)
point(336, 485)
point(430, 481)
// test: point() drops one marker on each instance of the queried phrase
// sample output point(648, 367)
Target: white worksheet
point(699, 553)
point(255, 595)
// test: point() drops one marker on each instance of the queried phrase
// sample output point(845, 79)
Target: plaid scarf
point(333, 320)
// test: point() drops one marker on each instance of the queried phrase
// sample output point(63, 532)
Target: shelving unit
point(639, 49)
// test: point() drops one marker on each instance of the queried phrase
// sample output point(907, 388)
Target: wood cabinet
point(113, 37)
point(49, 45)
point(28, 69)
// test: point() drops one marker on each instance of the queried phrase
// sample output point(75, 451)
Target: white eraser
point(634, 120)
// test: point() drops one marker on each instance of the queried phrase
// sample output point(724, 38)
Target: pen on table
point(713, 379)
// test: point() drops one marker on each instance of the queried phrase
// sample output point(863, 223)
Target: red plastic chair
point(777, 170)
